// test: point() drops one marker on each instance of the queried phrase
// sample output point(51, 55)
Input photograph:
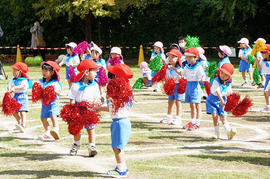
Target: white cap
point(116, 50)
point(225, 49)
point(244, 41)
point(158, 44)
point(96, 48)
point(71, 44)
point(262, 39)
point(201, 50)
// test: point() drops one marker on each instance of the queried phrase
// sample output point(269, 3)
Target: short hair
point(182, 38)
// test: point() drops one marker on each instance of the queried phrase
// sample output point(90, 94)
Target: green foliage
point(138, 84)
point(156, 64)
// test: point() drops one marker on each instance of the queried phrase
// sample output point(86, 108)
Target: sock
point(193, 121)
point(198, 122)
point(56, 128)
point(216, 129)
point(158, 85)
point(47, 132)
point(122, 167)
point(178, 118)
point(92, 144)
point(227, 127)
point(77, 142)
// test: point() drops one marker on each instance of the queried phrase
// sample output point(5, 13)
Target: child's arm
point(175, 69)
point(103, 108)
point(258, 64)
point(57, 92)
point(16, 88)
point(220, 98)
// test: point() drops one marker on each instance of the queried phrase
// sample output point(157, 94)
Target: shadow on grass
point(6, 139)
point(265, 118)
point(51, 173)
point(265, 161)
point(34, 157)
point(183, 138)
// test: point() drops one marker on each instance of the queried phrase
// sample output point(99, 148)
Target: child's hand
point(222, 103)
point(11, 90)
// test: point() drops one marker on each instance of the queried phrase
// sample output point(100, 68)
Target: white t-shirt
point(194, 73)
point(170, 73)
point(243, 53)
point(89, 94)
point(23, 82)
point(216, 86)
point(121, 113)
point(71, 60)
point(265, 67)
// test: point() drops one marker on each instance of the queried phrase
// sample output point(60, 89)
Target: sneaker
point(116, 173)
point(166, 119)
point(266, 109)
point(55, 134)
point(193, 127)
point(218, 135)
point(92, 151)
point(260, 85)
point(20, 128)
point(176, 122)
point(244, 84)
point(156, 90)
point(231, 134)
point(74, 149)
point(253, 83)
point(45, 137)
point(188, 125)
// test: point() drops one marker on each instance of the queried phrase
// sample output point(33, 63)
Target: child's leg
point(17, 117)
point(55, 122)
point(55, 131)
point(250, 76)
point(266, 96)
point(91, 136)
point(216, 124)
point(145, 81)
point(244, 75)
point(120, 159)
point(178, 108)
point(230, 132)
point(23, 118)
point(45, 124)
point(192, 110)
point(170, 106)
point(198, 110)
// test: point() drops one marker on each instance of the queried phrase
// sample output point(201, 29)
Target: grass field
point(154, 151)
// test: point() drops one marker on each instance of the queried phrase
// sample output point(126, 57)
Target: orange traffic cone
point(141, 56)
point(19, 54)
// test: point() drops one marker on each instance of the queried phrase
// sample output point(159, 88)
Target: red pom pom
point(88, 115)
point(10, 105)
point(242, 107)
point(207, 86)
point(74, 127)
point(72, 73)
point(48, 95)
point(161, 75)
point(37, 92)
point(182, 86)
point(169, 86)
point(232, 102)
point(119, 93)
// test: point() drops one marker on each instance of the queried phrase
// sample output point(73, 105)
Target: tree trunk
point(88, 27)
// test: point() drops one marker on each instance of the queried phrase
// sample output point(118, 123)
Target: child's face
point(242, 45)
point(114, 55)
point(91, 74)
point(69, 51)
point(182, 43)
point(47, 74)
point(191, 59)
point(172, 59)
point(95, 54)
point(223, 76)
point(266, 55)
point(220, 55)
point(15, 73)
point(157, 49)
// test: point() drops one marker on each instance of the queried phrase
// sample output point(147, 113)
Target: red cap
point(267, 48)
point(121, 70)
point(192, 51)
point(227, 68)
point(176, 53)
point(83, 66)
point(21, 67)
point(55, 66)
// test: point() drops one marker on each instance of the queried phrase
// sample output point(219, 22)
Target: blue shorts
point(267, 79)
point(176, 96)
point(22, 98)
point(51, 110)
point(120, 132)
point(193, 92)
point(244, 66)
point(213, 105)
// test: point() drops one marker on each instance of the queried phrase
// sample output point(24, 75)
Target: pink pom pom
point(114, 61)
point(169, 86)
point(72, 74)
point(102, 77)
point(10, 105)
point(81, 48)
point(48, 95)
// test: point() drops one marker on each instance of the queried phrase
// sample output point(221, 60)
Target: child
point(85, 89)
point(146, 73)
point(71, 59)
point(260, 58)
point(224, 52)
point(245, 66)
point(51, 77)
point(174, 66)
point(182, 41)
point(264, 66)
point(96, 53)
point(19, 86)
point(115, 54)
point(120, 127)
point(194, 74)
point(221, 87)
point(158, 50)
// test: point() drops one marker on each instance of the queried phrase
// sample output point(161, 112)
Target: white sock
point(77, 142)
point(122, 167)
point(198, 122)
point(169, 116)
point(193, 121)
point(56, 128)
point(216, 129)
point(227, 127)
point(47, 132)
point(92, 144)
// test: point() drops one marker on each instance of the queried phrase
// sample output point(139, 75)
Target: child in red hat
point(51, 77)
point(120, 96)
point(19, 86)
point(194, 74)
point(85, 88)
point(221, 87)
point(174, 59)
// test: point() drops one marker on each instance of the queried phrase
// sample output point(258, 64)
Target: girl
point(221, 87)
point(96, 53)
point(85, 89)
point(51, 77)
point(121, 126)
point(146, 73)
point(174, 57)
point(194, 74)
point(71, 59)
point(19, 86)
point(158, 50)
point(115, 56)
point(260, 58)
point(245, 66)
point(264, 66)
point(224, 52)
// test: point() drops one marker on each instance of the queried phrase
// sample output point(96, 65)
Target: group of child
point(189, 64)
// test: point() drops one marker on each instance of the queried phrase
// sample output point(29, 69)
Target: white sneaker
point(156, 90)
point(92, 151)
point(55, 134)
point(45, 137)
point(177, 122)
point(266, 109)
point(231, 134)
point(166, 119)
point(74, 149)
point(20, 128)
